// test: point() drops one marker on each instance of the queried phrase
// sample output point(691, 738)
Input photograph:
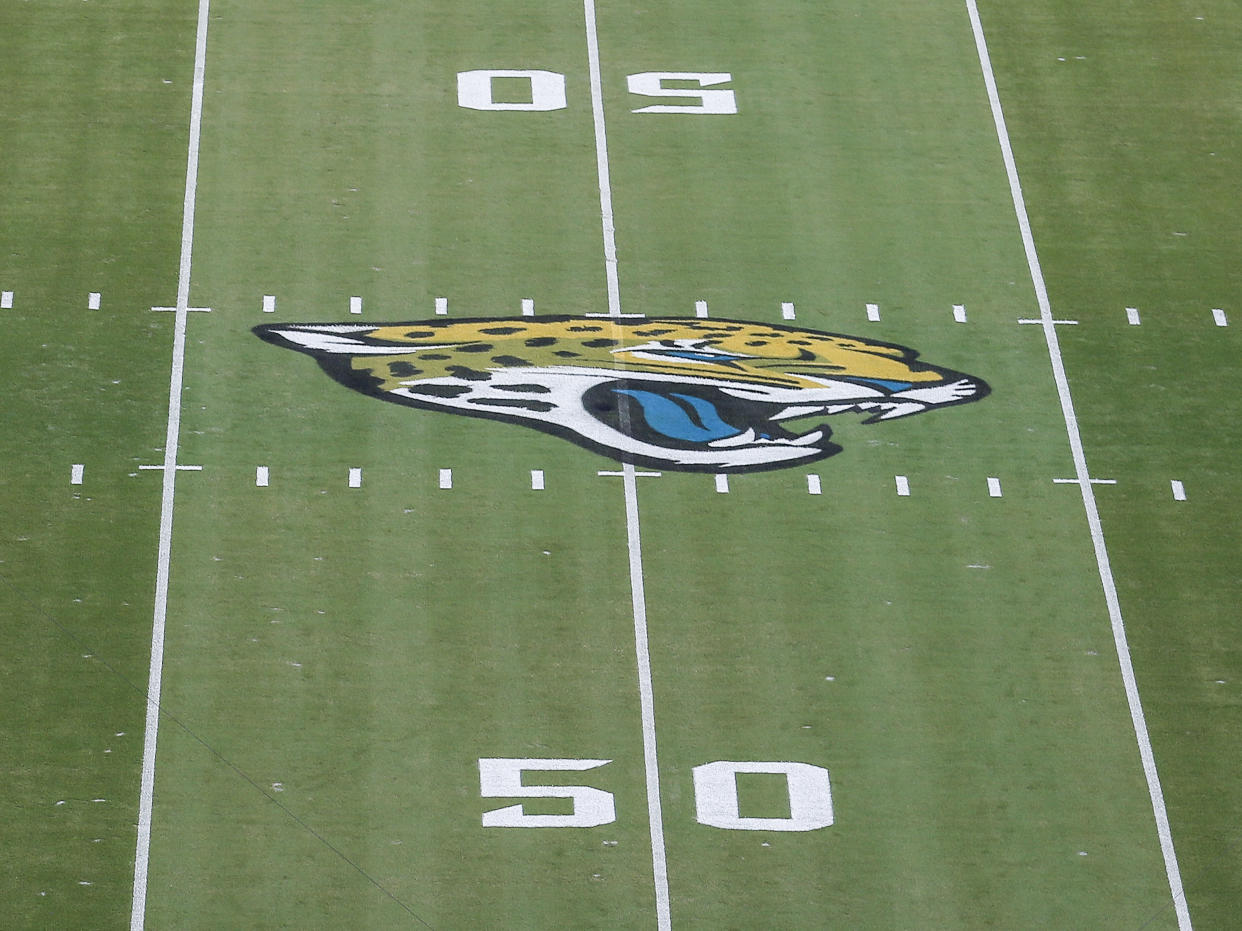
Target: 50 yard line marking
point(1083, 480)
point(171, 443)
point(629, 481)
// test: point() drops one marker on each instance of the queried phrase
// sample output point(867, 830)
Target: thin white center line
point(1084, 481)
point(172, 439)
point(629, 480)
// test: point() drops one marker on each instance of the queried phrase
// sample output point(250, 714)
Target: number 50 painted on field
point(715, 795)
point(476, 90)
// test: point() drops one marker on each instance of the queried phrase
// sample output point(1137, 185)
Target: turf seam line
point(629, 480)
point(1084, 482)
point(97, 657)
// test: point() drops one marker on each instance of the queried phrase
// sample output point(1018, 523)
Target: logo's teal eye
point(697, 355)
point(884, 383)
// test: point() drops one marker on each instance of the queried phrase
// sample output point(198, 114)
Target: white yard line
point(1084, 482)
point(646, 696)
point(171, 443)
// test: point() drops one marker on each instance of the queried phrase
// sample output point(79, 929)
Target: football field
point(597, 464)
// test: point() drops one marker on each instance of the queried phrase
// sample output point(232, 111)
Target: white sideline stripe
point(142, 853)
point(536, 479)
point(355, 478)
point(873, 312)
point(903, 486)
point(6, 300)
point(269, 303)
point(812, 484)
point(446, 478)
point(92, 301)
point(528, 307)
point(994, 487)
point(646, 695)
point(959, 313)
point(787, 310)
point(441, 306)
point(722, 484)
point(1218, 315)
point(1084, 478)
point(1179, 490)
point(260, 476)
point(355, 305)
point(700, 309)
point(75, 473)
point(1132, 316)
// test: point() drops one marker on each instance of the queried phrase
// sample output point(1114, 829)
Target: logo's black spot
point(541, 407)
point(503, 330)
point(475, 347)
point(601, 343)
point(439, 391)
point(509, 361)
point(566, 354)
point(540, 341)
point(420, 334)
point(529, 389)
point(801, 342)
point(650, 333)
point(469, 374)
point(402, 370)
point(585, 329)
point(435, 357)
point(753, 342)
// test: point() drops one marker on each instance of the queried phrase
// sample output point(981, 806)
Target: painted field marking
point(722, 484)
point(1132, 316)
point(613, 474)
point(1078, 481)
point(536, 479)
point(177, 468)
point(787, 310)
point(959, 313)
point(528, 307)
point(6, 300)
point(269, 303)
point(1179, 490)
point(994, 487)
point(812, 485)
point(92, 300)
point(629, 481)
point(76, 472)
point(355, 478)
point(355, 305)
point(1219, 317)
point(1137, 717)
point(619, 316)
point(1050, 322)
point(873, 312)
point(441, 306)
point(261, 476)
point(446, 478)
point(700, 309)
point(903, 486)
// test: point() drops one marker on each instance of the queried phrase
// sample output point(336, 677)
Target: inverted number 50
point(476, 91)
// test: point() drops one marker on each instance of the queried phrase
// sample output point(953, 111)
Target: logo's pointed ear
point(324, 338)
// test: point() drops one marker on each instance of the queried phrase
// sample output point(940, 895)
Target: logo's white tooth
point(742, 439)
point(902, 410)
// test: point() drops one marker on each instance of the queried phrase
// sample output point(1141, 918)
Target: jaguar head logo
point(693, 395)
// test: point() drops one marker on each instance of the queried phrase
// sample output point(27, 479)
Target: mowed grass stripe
point(1049, 327)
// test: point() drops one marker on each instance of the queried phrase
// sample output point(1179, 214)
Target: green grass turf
point(339, 660)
